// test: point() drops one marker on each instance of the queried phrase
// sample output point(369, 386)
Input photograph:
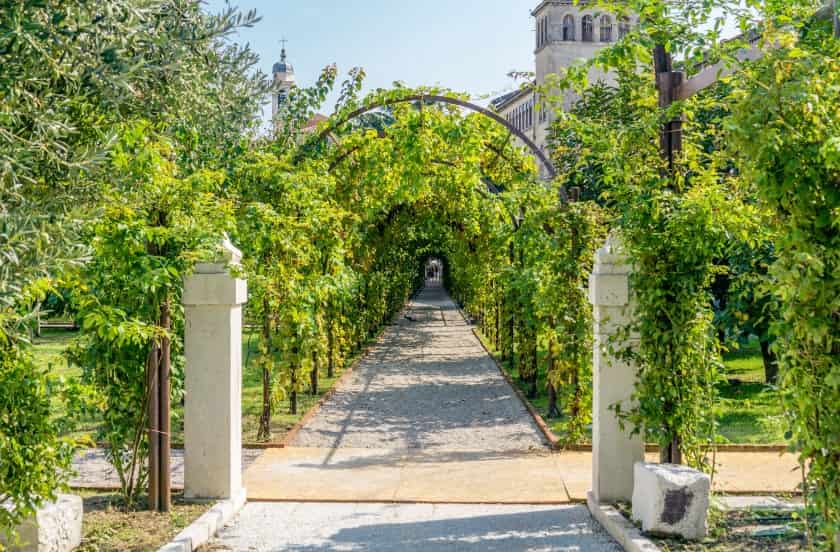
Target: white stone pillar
point(614, 452)
point(213, 301)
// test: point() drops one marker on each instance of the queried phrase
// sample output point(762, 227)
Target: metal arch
point(544, 160)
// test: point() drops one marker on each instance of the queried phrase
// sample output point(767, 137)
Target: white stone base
point(671, 500)
point(57, 527)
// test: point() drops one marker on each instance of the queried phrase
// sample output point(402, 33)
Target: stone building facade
point(565, 33)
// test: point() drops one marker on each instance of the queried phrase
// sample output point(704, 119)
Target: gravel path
point(427, 384)
point(93, 471)
point(312, 527)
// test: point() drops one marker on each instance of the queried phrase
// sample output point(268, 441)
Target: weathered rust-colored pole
point(154, 427)
point(164, 423)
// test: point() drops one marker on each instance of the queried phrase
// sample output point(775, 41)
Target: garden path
point(428, 384)
point(423, 447)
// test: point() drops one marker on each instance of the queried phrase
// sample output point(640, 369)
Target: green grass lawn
point(747, 411)
point(49, 352)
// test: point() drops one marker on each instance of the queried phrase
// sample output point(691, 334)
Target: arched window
point(606, 28)
point(623, 27)
point(569, 28)
point(545, 31)
point(586, 29)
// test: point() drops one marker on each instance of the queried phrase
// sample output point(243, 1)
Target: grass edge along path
point(49, 354)
point(731, 405)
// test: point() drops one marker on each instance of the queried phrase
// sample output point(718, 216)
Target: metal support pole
point(164, 422)
point(154, 427)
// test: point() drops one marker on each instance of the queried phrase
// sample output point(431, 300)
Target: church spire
point(283, 42)
point(284, 79)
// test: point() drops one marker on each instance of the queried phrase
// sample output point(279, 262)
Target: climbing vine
point(784, 133)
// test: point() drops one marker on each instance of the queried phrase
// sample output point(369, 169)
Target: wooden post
point(668, 83)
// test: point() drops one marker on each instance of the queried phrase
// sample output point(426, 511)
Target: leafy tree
point(784, 135)
point(154, 226)
point(73, 74)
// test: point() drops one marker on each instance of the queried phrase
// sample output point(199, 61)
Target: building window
point(586, 29)
point(568, 28)
point(545, 31)
point(623, 27)
point(542, 32)
point(606, 28)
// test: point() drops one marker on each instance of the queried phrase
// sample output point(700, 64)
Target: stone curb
point(205, 527)
point(624, 532)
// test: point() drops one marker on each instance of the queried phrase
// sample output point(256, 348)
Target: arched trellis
point(491, 186)
point(538, 153)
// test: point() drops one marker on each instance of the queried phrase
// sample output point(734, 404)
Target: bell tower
point(284, 81)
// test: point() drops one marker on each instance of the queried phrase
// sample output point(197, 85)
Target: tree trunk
point(771, 363)
point(313, 375)
point(552, 411)
point(498, 335)
point(331, 350)
point(577, 397)
point(534, 373)
point(511, 352)
point(38, 320)
point(264, 431)
point(293, 402)
point(293, 395)
point(671, 454)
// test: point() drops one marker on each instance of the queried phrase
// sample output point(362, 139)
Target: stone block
point(608, 321)
point(203, 289)
point(671, 500)
point(610, 290)
point(56, 527)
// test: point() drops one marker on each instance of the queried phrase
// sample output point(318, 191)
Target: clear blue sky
point(465, 45)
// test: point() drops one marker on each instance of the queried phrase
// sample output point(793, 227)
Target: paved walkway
point(425, 420)
point(315, 527)
point(428, 384)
